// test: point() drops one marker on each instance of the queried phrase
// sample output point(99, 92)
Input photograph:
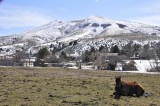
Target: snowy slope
point(48, 32)
point(91, 31)
point(143, 66)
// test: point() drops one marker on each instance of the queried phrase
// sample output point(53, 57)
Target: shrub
point(111, 66)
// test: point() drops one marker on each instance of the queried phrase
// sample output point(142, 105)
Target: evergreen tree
point(51, 46)
point(136, 47)
point(42, 53)
point(63, 55)
point(92, 50)
point(101, 48)
point(86, 56)
point(114, 49)
point(70, 43)
point(75, 42)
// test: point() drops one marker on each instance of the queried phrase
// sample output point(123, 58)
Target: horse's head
point(118, 78)
point(118, 81)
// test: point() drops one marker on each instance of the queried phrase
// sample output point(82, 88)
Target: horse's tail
point(144, 93)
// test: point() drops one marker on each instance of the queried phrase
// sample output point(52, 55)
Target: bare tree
point(108, 62)
point(51, 59)
point(19, 55)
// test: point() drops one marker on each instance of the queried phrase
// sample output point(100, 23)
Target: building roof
point(31, 59)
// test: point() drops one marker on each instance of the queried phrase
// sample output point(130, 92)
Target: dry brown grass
point(67, 87)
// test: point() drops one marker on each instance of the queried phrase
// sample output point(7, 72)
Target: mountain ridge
point(88, 28)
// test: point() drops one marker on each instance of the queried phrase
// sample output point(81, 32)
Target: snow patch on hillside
point(88, 31)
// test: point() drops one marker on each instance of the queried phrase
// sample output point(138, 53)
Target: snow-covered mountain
point(92, 31)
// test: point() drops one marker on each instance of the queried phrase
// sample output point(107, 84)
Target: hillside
point(88, 32)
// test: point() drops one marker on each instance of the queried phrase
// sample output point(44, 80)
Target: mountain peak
point(95, 17)
point(98, 19)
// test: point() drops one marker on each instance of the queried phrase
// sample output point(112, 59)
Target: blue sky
point(21, 15)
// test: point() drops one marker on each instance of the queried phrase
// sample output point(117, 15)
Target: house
point(118, 67)
point(28, 62)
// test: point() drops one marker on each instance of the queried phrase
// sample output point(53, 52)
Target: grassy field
point(69, 87)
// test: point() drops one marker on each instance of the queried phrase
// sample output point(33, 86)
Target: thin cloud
point(150, 11)
point(150, 20)
point(152, 7)
point(20, 17)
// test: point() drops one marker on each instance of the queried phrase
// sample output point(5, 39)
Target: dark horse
point(127, 88)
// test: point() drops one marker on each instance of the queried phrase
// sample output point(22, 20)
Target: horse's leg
point(117, 93)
